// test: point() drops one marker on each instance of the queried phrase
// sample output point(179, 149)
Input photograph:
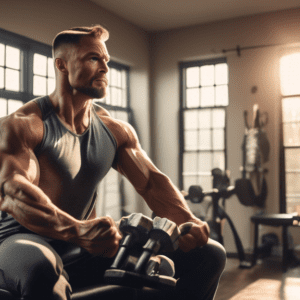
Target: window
point(204, 98)
point(111, 190)
point(27, 71)
point(43, 75)
point(290, 105)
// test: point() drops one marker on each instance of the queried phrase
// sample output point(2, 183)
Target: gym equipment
point(140, 265)
point(221, 191)
point(283, 220)
point(256, 150)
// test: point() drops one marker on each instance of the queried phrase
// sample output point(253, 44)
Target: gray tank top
point(80, 160)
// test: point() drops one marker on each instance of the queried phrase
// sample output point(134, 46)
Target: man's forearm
point(34, 210)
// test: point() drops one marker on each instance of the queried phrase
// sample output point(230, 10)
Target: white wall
point(41, 20)
point(257, 67)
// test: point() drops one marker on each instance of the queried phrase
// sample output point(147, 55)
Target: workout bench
point(276, 220)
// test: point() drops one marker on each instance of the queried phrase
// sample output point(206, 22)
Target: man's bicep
point(135, 164)
point(22, 163)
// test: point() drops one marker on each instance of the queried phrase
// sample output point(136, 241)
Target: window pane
point(119, 97)
point(218, 139)
point(192, 98)
point(114, 96)
point(190, 140)
point(221, 73)
point(292, 161)
point(12, 80)
point(122, 115)
point(3, 107)
point(291, 204)
point(190, 119)
point(188, 181)
point(124, 98)
point(207, 96)
point(290, 74)
point(222, 95)
point(291, 109)
point(189, 162)
point(107, 97)
point(205, 162)
point(12, 57)
point(218, 118)
point(204, 139)
point(39, 85)
point(112, 199)
point(219, 160)
point(111, 181)
point(51, 72)
point(114, 212)
point(124, 79)
point(192, 77)
point(1, 55)
point(291, 134)
point(207, 75)
point(51, 85)
point(39, 64)
point(292, 183)
point(1, 78)
point(119, 78)
point(14, 105)
point(113, 77)
point(204, 118)
point(206, 183)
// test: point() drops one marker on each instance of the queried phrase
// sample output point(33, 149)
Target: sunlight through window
point(290, 89)
point(290, 74)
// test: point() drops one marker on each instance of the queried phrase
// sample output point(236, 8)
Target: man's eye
point(94, 58)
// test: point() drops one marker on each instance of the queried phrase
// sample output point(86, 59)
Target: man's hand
point(196, 237)
point(100, 236)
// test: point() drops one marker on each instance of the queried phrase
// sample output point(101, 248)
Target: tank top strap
point(45, 106)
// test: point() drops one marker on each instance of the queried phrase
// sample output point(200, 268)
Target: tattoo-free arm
point(161, 195)
point(31, 207)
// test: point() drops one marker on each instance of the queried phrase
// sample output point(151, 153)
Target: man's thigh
point(31, 267)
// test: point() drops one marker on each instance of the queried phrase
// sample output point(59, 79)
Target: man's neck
point(73, 110)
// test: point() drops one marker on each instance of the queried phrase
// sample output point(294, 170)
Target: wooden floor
point(265, 281)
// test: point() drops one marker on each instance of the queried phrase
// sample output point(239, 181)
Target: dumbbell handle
point(121, 253)
point(152, 247)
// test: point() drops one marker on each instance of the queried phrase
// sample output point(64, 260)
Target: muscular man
point(53, 153)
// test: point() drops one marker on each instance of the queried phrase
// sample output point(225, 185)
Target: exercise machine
point(222, 190)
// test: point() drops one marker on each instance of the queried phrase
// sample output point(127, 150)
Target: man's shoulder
point(123, 132)
point(23, 126)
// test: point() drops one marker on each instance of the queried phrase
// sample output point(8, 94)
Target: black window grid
point(183, 108)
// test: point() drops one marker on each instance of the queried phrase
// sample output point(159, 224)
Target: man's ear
point(61, 65)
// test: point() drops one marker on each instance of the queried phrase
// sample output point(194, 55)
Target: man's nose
point(103, 67)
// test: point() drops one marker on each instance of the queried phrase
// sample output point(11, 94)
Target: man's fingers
point(187, 242)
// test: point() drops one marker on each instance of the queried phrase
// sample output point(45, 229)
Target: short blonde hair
point(73, 35)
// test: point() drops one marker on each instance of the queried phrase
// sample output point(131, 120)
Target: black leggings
point(32, 268)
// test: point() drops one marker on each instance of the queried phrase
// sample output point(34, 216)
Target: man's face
point(87, 65)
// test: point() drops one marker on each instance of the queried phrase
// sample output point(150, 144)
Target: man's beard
point(92, 92)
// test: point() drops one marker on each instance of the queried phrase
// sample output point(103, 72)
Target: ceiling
point(158, 15)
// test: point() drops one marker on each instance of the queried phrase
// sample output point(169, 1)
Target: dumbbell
point(145, 268)
point(135, 229)
point(162, 238)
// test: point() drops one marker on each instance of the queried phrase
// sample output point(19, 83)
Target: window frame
point(183, 108)
point(28, 48)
